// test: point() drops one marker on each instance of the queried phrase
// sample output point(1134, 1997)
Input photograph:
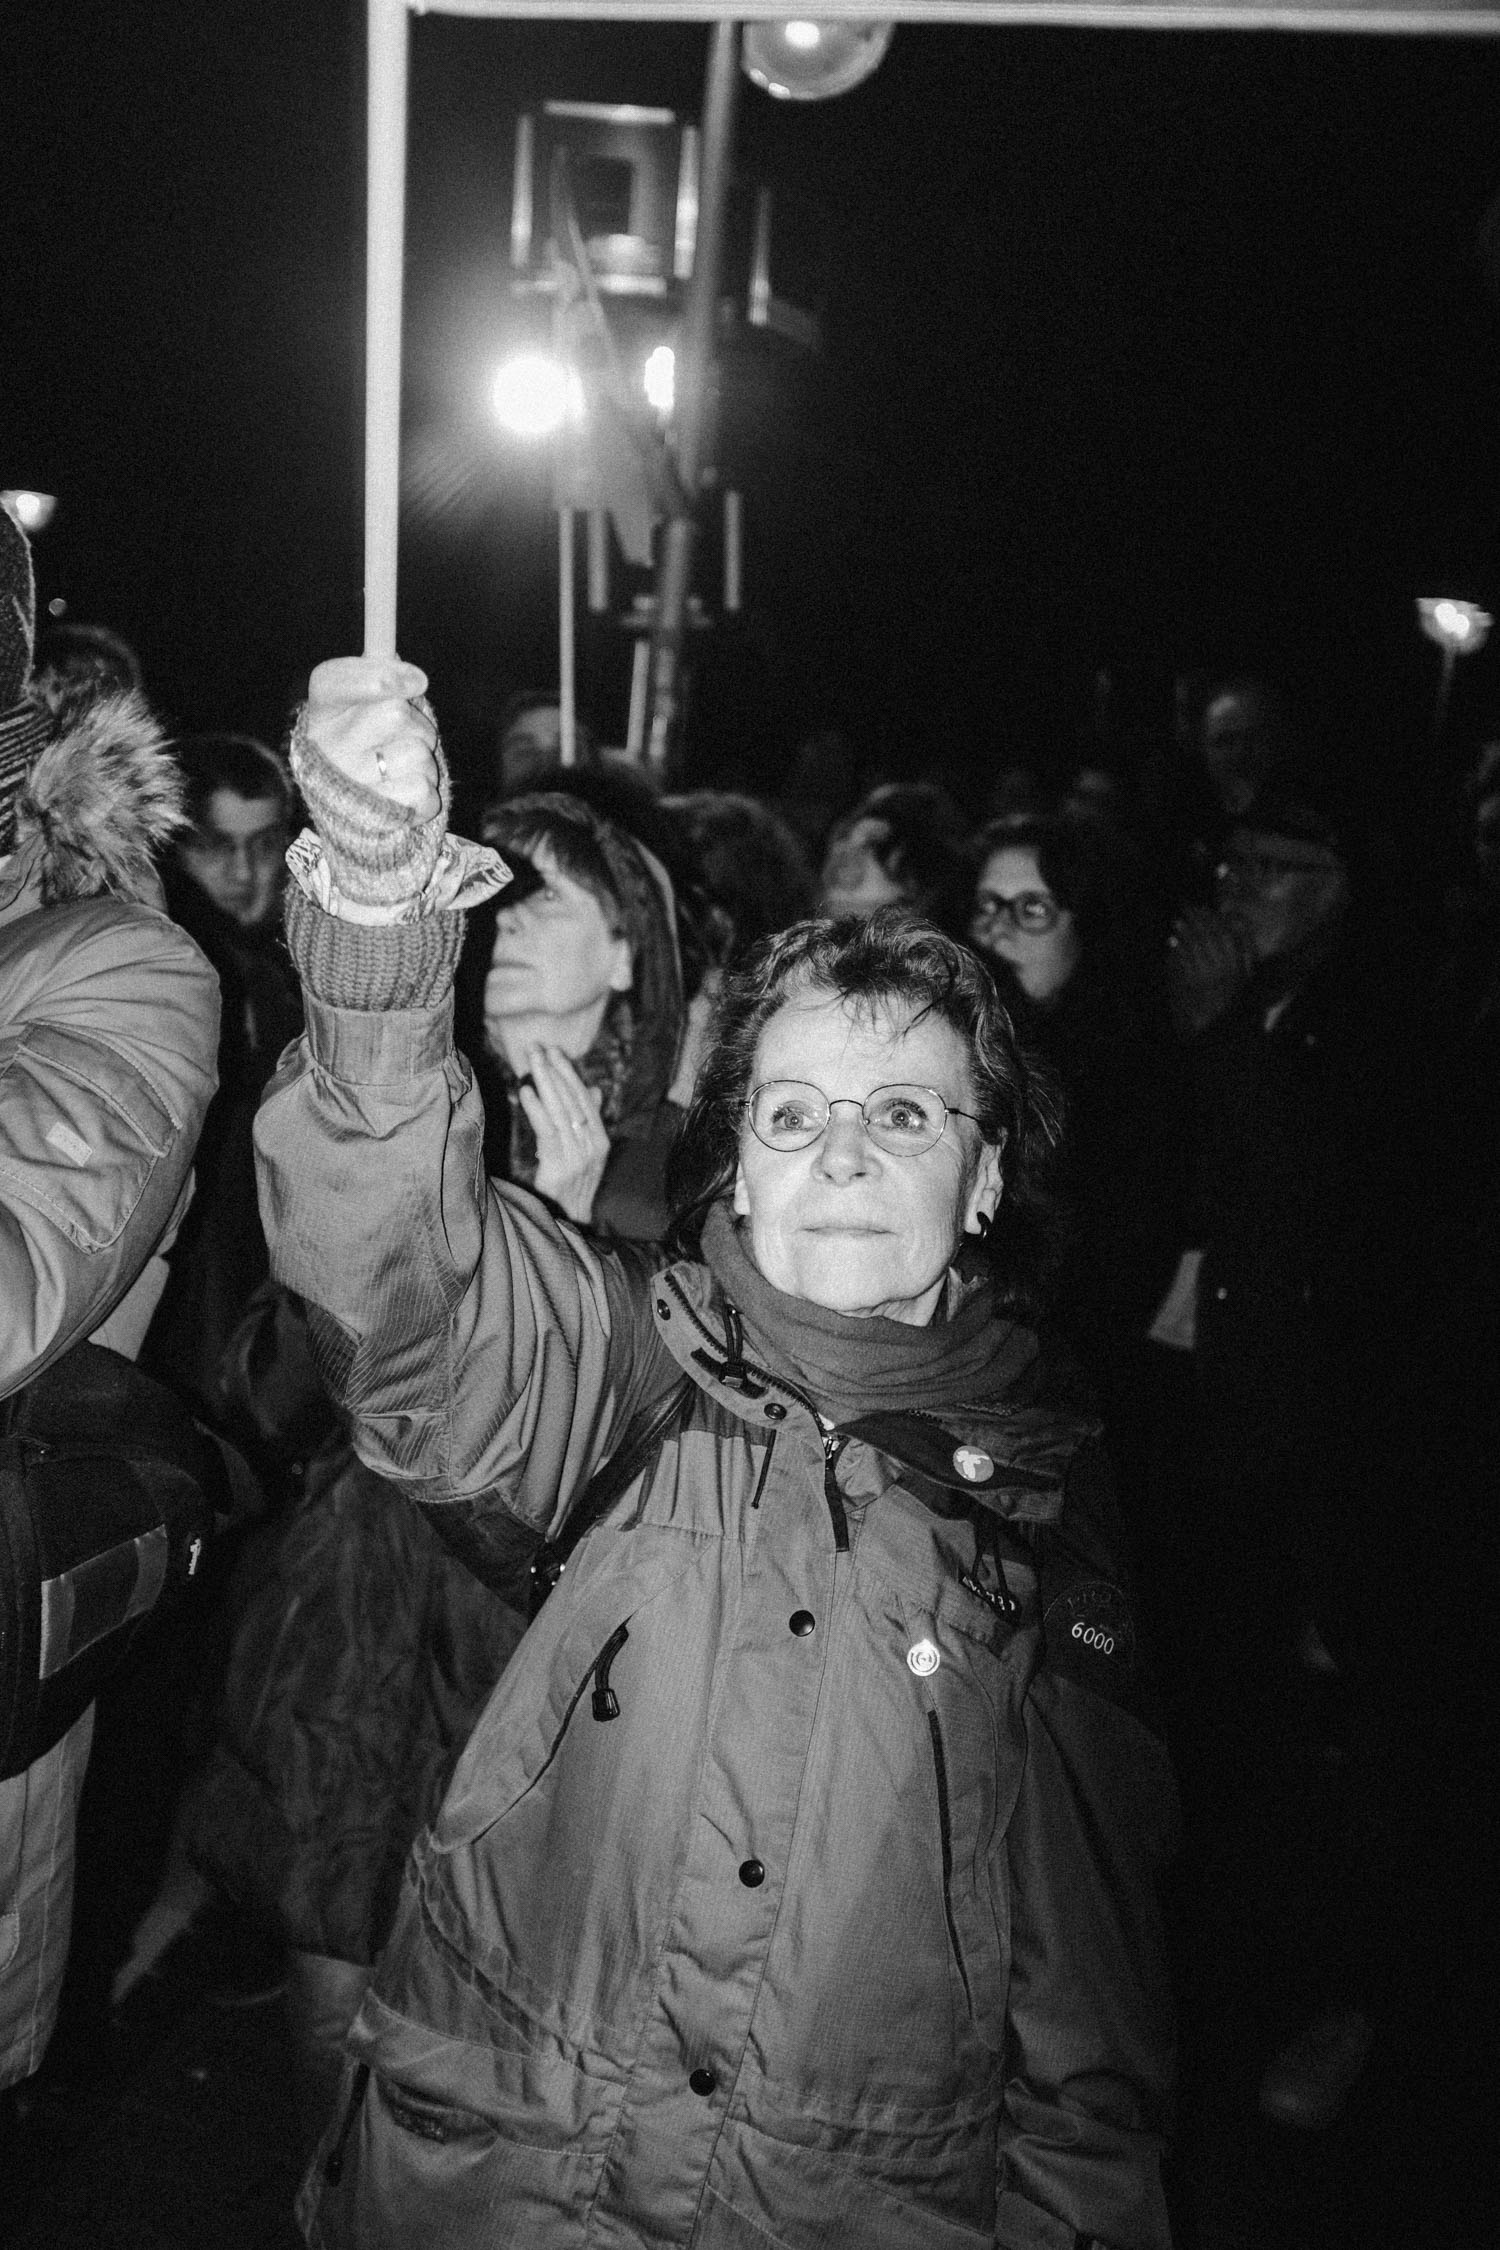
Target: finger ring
point(380, 766)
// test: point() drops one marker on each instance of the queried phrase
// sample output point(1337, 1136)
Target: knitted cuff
point(372, 966)
point(379, 853)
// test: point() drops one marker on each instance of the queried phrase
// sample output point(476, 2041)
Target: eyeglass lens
point(903, 1120)
point(1028, 910)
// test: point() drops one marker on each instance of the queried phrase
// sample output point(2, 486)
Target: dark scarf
point(966, 1357)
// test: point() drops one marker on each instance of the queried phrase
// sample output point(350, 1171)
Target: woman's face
point(853, 880)
point(844, 1223)
point(1010, 895)
point(555, 963)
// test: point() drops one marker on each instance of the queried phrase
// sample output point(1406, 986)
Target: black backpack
point(109, 1496)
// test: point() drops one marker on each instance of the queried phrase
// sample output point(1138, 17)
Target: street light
point(810, 59)
point(33, 511)
point(534, 394)
point(1459, 628)
point(659, 380)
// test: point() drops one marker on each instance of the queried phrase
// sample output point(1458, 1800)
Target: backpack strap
point(640, 1446)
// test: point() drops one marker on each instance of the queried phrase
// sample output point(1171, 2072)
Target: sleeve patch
point(1090, 1635)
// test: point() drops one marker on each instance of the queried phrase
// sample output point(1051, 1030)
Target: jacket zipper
point(833, 1446)
point(333, 2163)
point(765, 1471)
point(604, 1703)
point(940, 1768)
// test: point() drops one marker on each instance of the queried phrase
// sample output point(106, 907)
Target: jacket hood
point(643, 1028)
point(98, 804)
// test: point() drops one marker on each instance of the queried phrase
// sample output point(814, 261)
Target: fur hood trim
point(100, 802)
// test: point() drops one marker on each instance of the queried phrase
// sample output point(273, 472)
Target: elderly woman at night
point(797, 1886)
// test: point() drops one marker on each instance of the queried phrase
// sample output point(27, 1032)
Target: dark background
point(1143, 350)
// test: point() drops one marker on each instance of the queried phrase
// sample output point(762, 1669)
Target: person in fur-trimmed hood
point(109, 1021)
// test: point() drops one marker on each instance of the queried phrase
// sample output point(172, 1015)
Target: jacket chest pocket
point(973, 1752)
point(578, 1668)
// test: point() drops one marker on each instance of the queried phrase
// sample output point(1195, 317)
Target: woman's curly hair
point(892, 958)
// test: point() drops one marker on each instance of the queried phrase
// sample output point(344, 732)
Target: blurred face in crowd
point(1237, 747)
point(847, 1222)
point(238, 856)
point(1278, 892)
point(1018, 920)
point(556, 961)
point(531, 748)
point(853, 880)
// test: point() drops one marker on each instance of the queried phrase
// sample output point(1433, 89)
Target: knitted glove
point(379, 853)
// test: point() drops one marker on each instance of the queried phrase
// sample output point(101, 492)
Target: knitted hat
point(24, 730)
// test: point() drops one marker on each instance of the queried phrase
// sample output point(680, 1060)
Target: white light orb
point(1460, 627)
point(533, 395)
point(33, 511)
point(660, 378)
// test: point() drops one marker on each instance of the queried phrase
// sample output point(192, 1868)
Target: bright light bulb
point(32, 510)
point(803, 36)
point(533, 395)
point(661, 378)
point(1460, 627)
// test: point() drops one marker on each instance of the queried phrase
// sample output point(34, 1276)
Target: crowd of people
point(839, 1389)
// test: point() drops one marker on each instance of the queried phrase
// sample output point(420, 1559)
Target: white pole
point(566, 707)
point(733, 550)
point(640, 673)
point(384, 237)
point(598, 562)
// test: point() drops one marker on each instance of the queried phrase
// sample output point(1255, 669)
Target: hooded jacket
point(797, 1887)
point(109, 1020)
point(634, 1059)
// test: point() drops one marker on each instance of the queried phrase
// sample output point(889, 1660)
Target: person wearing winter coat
point(798, 1885)
point(109, 1019)
point(224, 878)
point(366, 1651)
point(570, 1004)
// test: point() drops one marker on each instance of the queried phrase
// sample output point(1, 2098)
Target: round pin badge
point(923, 1657)
point(972, 1465)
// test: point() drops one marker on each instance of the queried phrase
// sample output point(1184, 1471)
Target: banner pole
point(566, 631)
point(385, 216)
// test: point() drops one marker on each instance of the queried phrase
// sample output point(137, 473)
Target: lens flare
point(533, 395)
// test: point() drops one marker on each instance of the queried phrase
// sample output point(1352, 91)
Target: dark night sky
point(1142, 348)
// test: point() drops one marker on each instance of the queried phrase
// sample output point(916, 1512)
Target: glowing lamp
point(534, 394)
point(1461, 628)
point(810, 59)
point(660, 379)
point(33, 511)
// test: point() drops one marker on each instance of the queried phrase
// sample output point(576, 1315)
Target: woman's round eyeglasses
point(1033, 911)
point(787, 1114)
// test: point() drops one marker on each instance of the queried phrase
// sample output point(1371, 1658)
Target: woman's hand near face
point(1208, 966)
point(571, 1144)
